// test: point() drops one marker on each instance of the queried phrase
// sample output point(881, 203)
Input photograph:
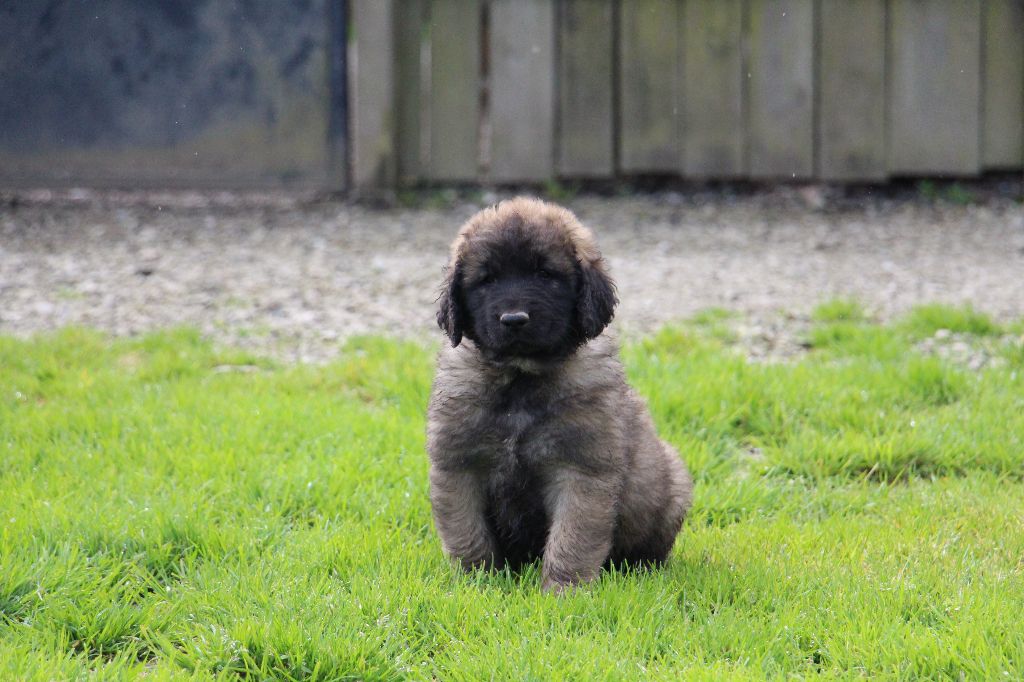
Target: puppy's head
point(525, 281)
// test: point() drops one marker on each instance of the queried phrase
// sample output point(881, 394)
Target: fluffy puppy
point(537, 446)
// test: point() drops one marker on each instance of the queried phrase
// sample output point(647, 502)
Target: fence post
point(454, 90)
point(338, 115)
point(522, 87)
point(934, 93)
point(1002, 125)
point(851, 95)
point(373, 125)
point(781, 74)
point(712, 128)
point(586, 76)
point(648, 83)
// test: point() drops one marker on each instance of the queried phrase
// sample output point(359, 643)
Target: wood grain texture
point(586, 77)
point(373, 126)
point(648, 86)
point(851, 101)
point(522, 59)
point(781, 83)
point(1002, 126)
point(410, 18)
point(454, 90)
point(935, 87)
point(712, 127)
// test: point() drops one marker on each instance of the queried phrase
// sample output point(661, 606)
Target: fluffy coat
point(537, 445)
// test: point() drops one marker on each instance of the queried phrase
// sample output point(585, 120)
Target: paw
point(488, 562)
point(559, 587)
point(552, 586)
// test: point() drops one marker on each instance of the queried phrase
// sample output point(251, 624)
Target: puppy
point(537, 446)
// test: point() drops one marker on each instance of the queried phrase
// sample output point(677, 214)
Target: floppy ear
point(595, 305)
point(450, 317)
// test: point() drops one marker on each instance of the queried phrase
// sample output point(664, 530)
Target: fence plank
point(712, 128)
point(1002, 128)
point(586, 78)
point(781, 74)
point(935, 86)
point(851, 100)
point(454, 89)
point(373, 157)
point(409, 24)
point(522, 59)
point(648, 85)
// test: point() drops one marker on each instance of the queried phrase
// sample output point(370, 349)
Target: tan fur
point(573, 431)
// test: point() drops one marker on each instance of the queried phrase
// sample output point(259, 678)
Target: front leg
point(457, 499)
point(583, 511)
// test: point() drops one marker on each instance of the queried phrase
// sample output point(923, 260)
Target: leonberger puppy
point(538, 447)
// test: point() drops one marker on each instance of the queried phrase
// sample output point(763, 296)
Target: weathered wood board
point(1002, 125)
point(454, 111)
point(522, 60)
point(648, 86)
point(935, 87)
point(586, 72)
point(851, 97)
point(712, 125)
point(410, 18)
point(373, 129)
point(781, 87)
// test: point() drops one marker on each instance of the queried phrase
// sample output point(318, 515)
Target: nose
point(516, 319)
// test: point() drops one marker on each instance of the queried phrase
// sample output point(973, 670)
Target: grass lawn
point(172, 510)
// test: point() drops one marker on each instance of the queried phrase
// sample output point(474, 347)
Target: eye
point(545, 274)
point(487, 278)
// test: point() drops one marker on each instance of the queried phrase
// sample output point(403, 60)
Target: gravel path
point(293, 277)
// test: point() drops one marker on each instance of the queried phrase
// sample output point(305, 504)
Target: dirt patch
point(294, 276)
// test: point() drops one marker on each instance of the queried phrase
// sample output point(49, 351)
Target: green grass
point(926, 320)
point(858, 514)
point(839, 310)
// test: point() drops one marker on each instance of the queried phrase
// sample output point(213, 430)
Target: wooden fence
point(512, 91)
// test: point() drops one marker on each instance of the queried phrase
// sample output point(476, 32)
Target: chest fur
point(522, 426)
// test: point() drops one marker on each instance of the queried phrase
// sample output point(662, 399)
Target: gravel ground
point(294, 276)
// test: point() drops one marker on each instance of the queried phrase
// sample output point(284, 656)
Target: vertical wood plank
point(648, 86)
point(338, 114)
point(781, 73)
point(454, 89)
point(851, 112)
point(373, 158)
point(522, 59)
point(409, 24)
point(934, 89)
point(1002, 138)
point(586, 78)
point(712, 128)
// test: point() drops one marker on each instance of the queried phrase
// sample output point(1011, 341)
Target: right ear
point(450, 317)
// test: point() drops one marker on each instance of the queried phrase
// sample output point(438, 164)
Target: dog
point(538, 448)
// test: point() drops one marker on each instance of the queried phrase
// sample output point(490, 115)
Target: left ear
point(595, 303)
point(450, 315)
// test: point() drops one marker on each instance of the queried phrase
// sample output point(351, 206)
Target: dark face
point(520, 290)
point(520, 303)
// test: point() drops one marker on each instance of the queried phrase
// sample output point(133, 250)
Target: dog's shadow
point(696, 579)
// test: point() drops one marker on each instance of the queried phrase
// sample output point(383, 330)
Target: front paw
point(486, 562)
point(558, 587)
point(552, 586)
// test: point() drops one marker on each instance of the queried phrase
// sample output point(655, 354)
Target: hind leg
point(652, 517)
